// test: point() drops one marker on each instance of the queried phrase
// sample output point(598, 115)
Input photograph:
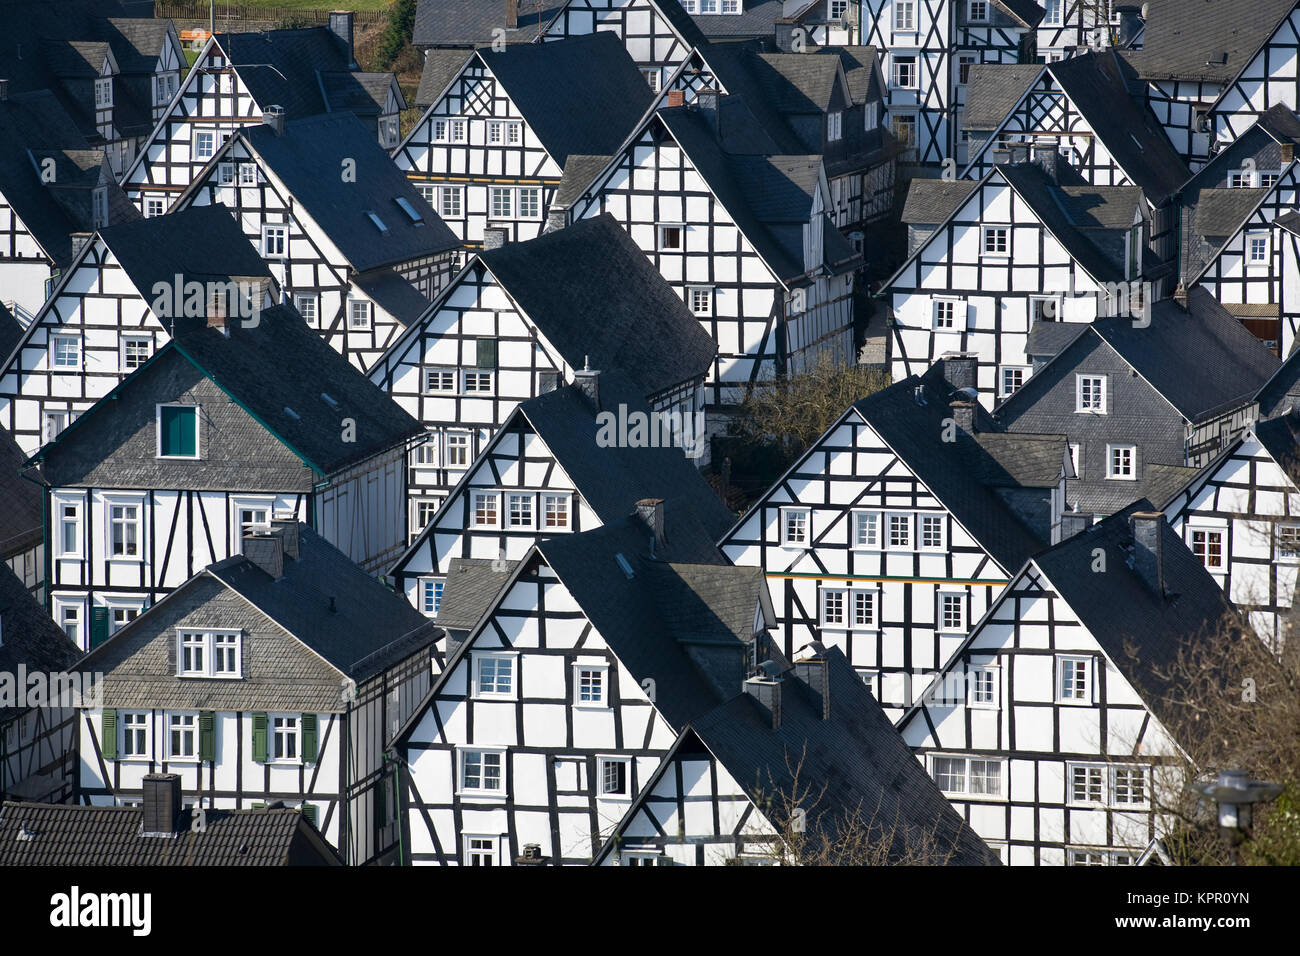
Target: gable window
point(249, 174)
point(208, 653)
point(502, 202)
point(482, 771)
point(904, 72)
point(284, 739)
point(226, 174)
point(904, 16)
point(68, 535)
point(866, 530)
point(615, 776)
point(65, 351)
point(178, 431)
point(1090, 394)
point(430, 595)
point(440, 130)
point(359, 315)
point(834, 126)
point(1268, 180)
point(519, 510)
point(124, 531)
point(205, 144)
point(55, 423)
point(898, 531)
point(104, 93)
point(478, 382)
point(440, 380)
point(701, 300)
point(530, 203)
point(997, 240)
point(795, 530)
point(99, 208)
point(932, 532)
point(555, 512)
point(1207, 545)
point(457, 447)
point(480, 851)
point(978, 11)
point(974, 776)
point(1011, 379)
point(182, 736)
point(670, 237)
point(982, 689)
point(487, 509)
point(1257, 248)
point(653, 78)
point(135, 735)
point(451, 201)
point(952, 613)
point(494, 675)
point(275, 241)
point(589, 685)
point(1087, 858)
point(153, 207)
point(1119, 462)
point(135, 352)
point(1074, 680)
point(1241, 179)
point(1286, 548)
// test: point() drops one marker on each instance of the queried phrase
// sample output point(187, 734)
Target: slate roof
point(931, 201)
point(1281, 438)
point(1046, 339)
point(1215, 364)
point(75, 59)
point(467, 23)
point(757, 20)
point(1121, 611)
point(393, 293)
point(550, 83)
point(579, 173)
point(42, 834)
point(136, 41)
point(22, 520)
point(992, 90)
point(440, 68)
point(1027, 12)
point(914, 432)
point(469, 589)
point(594, 295)
point(30, 636)
point(1195, 40)
point(1019, 460)
point(1221, 212)
point(1281, 392)
point(860, 64)
point(307, 158)
point(869, 773)
point(361, 94)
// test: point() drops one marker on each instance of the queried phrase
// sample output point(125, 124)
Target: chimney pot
point(161, 803)
point(1148, 548)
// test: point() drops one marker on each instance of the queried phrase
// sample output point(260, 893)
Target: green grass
point(312, 4)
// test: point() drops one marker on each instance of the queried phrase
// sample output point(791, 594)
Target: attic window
point(624, 566)
point(379, 223)
point(410, 211)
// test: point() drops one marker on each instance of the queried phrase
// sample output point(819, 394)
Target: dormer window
point(834, 126)
point(208, 653)
point(178, 431)
point(104, 93)
point(1241, 179)
point(99, 208)
point(978, 11)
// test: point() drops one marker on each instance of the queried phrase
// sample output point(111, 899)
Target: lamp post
point(1234, 793)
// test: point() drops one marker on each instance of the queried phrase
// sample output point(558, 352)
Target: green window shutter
point(381, 802)
point(108, 734)
point(178, 430)
point(259, 738)
point(309, 738)
point(487, 353)
point(309, 811)
point(98, 626)
point(257, 806)
point(207, 736)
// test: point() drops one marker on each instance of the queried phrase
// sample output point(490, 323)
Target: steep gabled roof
point(22, 519)
point(469, 589)
point(440, 68)
point(469, 23)
point(1281, 438)
point(136, 41)
point(43, 834)
point(595, 296)
point(931, 201)
point(550, 83)
point(307, 158)
point(29, 635)
point(1026, 12)
point(993, 90)
point(1195, 40)
point(361, 94)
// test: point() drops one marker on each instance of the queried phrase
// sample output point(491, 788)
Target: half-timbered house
point(1144, 402)
point(567, 695)
point(1051, 730)
point(1267, 76)
point(238, 76)
point(896, 530)
point(222, 427)
point(501, 131)
point(741, 232)
point(551, 470)
point(37, 736)
point(273, 675)
point(728, 791)
point(532, 314)
point(1241, 517)
point(113, 307)
point(352, 244)
point(1000, 264)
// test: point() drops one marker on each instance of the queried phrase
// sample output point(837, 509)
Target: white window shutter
point(961, 314)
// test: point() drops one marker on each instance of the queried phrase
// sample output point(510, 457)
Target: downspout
point(398, 812)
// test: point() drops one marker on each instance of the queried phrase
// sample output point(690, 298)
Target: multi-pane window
point(481, 770)
point(1130, 786)
point(945, 314)
point(983, 687)
point(502, 202)
point(458, 130)
point(1119, 461)
point(487, 509)
point(1013, 377)
point(530, 203)
point(153, 207)
point(591, 685)
point(653, 77)
point(359, 315)
point(424, 512)
point(519, 510)
point(182, 736)
point(964, 62)
point(69, 533)
point(833, 608)
point(850, 609)
point(863, 608)
point(997, 240)
point(441, 128)
point(426, 455)
point(66, 350)
point(794, 526)
point(1256, 249)
point(834, 126)
point(903, 126)
point(950, 774)
point(193, 657)
point(135, 352)
point(205, 144)
point(124, 531)
point(478, 383)
point(451, 201)
point(972, 775)
point(495, 675)
point(899, 531)
point(496, 133)
point(306, 306)
point(1052, 13)
point(931, 532)
point(978, 11)
point(284, 738)
point(122, 616)
point(613, 777)
point(1287, 543)
point(225, 655)
point(866, 529)
point(430, 595)
point(701, 299)
point(1087, 784)
point(135, 735)
point(249, 174)
point(555, 511)
point(952, 612)
point(275, 240)
point(208, 654)
point(70, 621)
point(457, 445)
point(1087, 858)
point(226, 174)
point(904, 16)
point(1207, 545)
point(1073, 678)
point(440, 380)
point(1241, 179)
point(480, 851)
point(904, 72)
point(1090, 393)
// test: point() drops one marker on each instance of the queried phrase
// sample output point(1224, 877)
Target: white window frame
point(134, 340)
point(996, 231)
point(1279, 554)
point(277, 233)
point(452, 441)
point(886, 542)
point(274, 734)
point(940, 623)
point(418, 521)
point(313, 307)
point(154, 206)
point(361, 315)
point(113, 501)
point(493, 853)
point(226, 174)
point(501, 203)
point(1095, 780)
point(601, 669)
point(423, 594)
point(1053, 12)
point(872, 541)
point(905, 16)
point(532, 209)
point(948, 315)
point(1079, 407)
point(451, 202)
point(463, 789)
point(205, 640)
point(198, 432)
point(447, 380)
point(918, 526)
point(898, 65)
point(661, 235)
point(545, 499)
point(1115, 771)
point(485, 494)
point(966, 793)
point(193, 728)
point(1209, 530)
point(477, 377)
point(700, 299)
point(479, 659)
point(239, 505)
point(603, 762)
point(1257, 236)
point(52, 416)
point(1114, 474)
point(198, 153)
point(1024, 371)
point(65, 339)
point(250, 174)
point(981, 5)
point(974, 673)
point(59, 503)
point(507, 508)
point(784, 528)
point(1089, 680)
point(834, 126)
point(123, 732)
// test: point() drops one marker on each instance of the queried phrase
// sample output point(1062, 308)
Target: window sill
point(481, 796)
point(975, 797)
point(589, 705)
point(1074, 703)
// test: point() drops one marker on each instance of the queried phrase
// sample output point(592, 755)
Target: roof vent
point(292, 414)
point(379, 223)
point(410, 210)
point(330, 400)
point(273, 116)
point(624, 566)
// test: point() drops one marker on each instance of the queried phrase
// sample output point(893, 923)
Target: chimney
point(4, 91)
point(512, 14)
point(287, 530)
point(266, 550)
point(557, 217)
point(1130, 22)
point(1001, 156)
point(341, 27)
point(651, 511)
point(273, 116)
point(815, 672)
point(494, 237)
point(589, 382)
point(1148, 556)
point(1047, 157)
point(1288, 153)
point(1019, 153)
point(1073, 523)
point(547, 381)
point(767, 691)
point(963, 413)
point(161, 804)
point(783, 36)
point(959, 370)
point(218, 310)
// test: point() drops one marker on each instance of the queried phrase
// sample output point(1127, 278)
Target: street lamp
point(1235, 794)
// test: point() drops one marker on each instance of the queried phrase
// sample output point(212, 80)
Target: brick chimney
point(1148, 548)
point(676, 97)
point(161, 804)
